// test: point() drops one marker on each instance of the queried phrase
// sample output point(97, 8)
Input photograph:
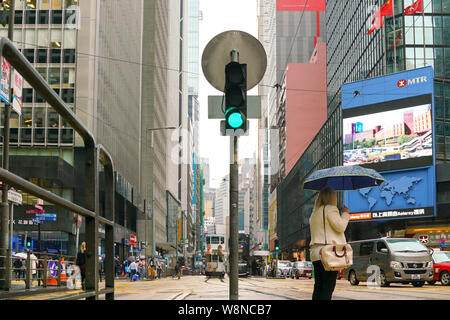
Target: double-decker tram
point(216, 255)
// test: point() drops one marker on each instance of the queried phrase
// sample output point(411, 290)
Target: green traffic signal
point(234, 118)
point(236, 96)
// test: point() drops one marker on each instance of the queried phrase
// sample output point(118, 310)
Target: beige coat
point(335, 225)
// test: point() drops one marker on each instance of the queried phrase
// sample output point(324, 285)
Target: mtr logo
point(403, 83)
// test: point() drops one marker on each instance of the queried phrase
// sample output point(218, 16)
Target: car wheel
point(418, 284)
point(383, 281)
point(352, 278)
point(444, 278)
point(431, 282)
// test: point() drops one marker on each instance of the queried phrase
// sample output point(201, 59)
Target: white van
point(401, 260)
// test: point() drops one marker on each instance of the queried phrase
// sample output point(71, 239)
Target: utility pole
point(5, 205)
point(234, 198)
point(234, 209)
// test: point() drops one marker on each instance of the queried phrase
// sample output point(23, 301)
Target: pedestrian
point(335, 225)
point(132, 269)
point(117, 266)
point(81, 263)
point(34, 264)
point(18, 268)
point(158, 270)
point(140, 269)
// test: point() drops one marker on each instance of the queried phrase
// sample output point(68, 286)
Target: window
point(38, 98)
point(41, 56)
point(55, 55)
point(69, 55)
point(29, 54)
point(42, 72)
point(53, 124)
point(68, 79)
point(30, 16)
point(18, 17)
point(54, 78)
point(366, 248)
point(381, 245)
point(44, 4)
point(27, 95)
point(57, 16)
point(43, 17)
point(68, 95)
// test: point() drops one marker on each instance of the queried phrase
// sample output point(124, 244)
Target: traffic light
point(277, 246)
point(236, 96)
point(21, 240)
point(28, 242)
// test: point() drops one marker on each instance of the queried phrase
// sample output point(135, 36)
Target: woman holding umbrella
point(326, 223)
point(335, 225)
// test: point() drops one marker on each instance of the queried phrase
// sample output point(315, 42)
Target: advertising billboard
point(388, 126)
point(398, 134)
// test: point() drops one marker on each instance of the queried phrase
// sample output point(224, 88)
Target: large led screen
point(400, 134)
point(388, 126)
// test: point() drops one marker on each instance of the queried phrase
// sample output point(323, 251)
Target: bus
point(216, 255)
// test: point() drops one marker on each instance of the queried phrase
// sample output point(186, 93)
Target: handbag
point(335, 256)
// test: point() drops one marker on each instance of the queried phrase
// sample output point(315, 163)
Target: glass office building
point(403, 43)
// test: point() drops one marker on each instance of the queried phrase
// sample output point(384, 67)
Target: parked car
point(284, 268)
point(301, 269)
point(441, 267)
point(400, 260)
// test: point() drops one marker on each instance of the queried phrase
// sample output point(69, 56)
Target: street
point(259, 288)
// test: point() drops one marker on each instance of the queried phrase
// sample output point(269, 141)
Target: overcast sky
point(220, 16)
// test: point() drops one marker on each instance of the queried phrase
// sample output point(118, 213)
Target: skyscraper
point(404, 42)
point(113, 74)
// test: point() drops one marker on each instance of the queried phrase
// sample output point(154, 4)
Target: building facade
point(353, 55)
point(98, 66)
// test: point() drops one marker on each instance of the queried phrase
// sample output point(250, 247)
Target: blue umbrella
point(343, 178)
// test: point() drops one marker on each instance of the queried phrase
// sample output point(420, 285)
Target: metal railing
point(94, 154)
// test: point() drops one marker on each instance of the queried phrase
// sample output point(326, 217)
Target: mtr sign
point(403, 82)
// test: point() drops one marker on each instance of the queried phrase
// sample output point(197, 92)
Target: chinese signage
point(4, 82)
point(17, 92)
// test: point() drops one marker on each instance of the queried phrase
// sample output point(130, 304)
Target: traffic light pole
point(234, 198)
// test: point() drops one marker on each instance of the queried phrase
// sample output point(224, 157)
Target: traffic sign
point(46, 216)
point(14, 196)
point(133, 239)
point(37, 220)
point(34, 211)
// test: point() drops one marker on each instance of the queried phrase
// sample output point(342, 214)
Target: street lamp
point(152, 130)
